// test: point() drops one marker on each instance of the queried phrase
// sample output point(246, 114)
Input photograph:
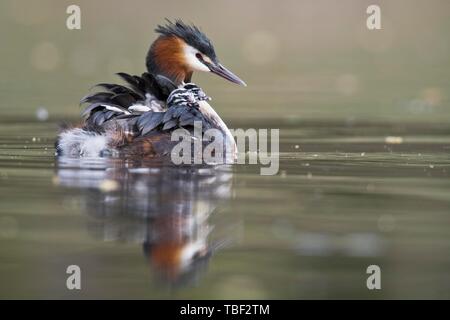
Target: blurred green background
point(301, 59)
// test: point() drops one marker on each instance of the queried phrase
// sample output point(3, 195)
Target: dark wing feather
point(168, 115)
point(189, 114)
point(119, 89)
point(121, 97)
point(90, 108)
point(170, 124)
point(131, 81)
point(99, 116)
point(177, 116)
point(136, 90)
point(109, 115)
point(96, 120)
point(149, 121)
point(97, 97)
point(165, 85)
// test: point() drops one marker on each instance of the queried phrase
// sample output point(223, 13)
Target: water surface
point(344, 198)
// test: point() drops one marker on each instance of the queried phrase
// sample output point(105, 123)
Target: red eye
point(199, 56)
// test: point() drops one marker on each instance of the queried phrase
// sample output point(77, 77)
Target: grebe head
point(182, 49)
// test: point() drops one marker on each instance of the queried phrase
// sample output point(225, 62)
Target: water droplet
point(42, 114)
point(108, 185)
point(393, 140)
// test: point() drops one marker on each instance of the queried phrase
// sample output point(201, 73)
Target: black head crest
point(190, 34)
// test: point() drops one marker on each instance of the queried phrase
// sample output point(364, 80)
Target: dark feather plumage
point(97, 97)
point(115, 101)
point(147, 83)
point(119, 89)
point(108, 111)
point(180, 113)
point(190, 34)
point(149, 121)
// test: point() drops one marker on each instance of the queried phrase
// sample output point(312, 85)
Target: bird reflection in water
point(166, 208)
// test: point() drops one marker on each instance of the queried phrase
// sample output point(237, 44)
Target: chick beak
point(220, 70)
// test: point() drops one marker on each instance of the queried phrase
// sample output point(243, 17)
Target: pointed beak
point(220, 70)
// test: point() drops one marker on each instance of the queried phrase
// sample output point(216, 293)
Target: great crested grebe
point(137, 119)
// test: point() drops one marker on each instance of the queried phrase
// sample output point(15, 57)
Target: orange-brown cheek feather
point(169, 55)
